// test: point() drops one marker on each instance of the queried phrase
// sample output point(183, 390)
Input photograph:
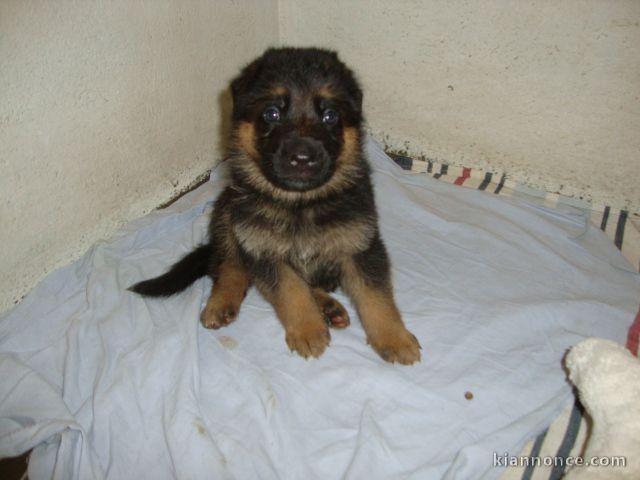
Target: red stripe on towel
point(633, 336)
point(466, 173)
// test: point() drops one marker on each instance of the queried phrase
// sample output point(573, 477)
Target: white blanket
point(106, 384)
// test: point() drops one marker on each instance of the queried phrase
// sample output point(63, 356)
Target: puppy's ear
point(348, 79)
point(356, 98)
point(243, 84)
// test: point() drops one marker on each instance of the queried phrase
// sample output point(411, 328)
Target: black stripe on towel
point(622, 221)
point(443, 171)
point(402, 160)
point(605, 218)
point(569, 440)
point(486, 181)
point(501, 184)
point(535, 452)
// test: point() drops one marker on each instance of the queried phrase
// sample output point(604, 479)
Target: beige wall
point(548, 91)
point(106, 110)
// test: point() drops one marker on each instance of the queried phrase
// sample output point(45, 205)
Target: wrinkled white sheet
point(106, 384)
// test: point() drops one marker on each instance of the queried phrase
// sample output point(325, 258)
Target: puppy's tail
point(190, 268)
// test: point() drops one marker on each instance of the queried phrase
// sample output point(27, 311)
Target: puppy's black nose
point(300, 154)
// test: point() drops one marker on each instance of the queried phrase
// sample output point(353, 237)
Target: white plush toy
point(608, 380)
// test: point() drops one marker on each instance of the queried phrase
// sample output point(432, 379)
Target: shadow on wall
point(225, 106)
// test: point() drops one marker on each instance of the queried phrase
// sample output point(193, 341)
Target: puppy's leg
point(227, 294)
point(295, 306)
point(366, 279)
point(334, 313)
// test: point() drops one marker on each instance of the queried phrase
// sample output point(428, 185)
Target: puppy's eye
point(330, 117)
point(271, 114)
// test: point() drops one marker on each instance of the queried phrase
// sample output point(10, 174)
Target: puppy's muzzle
point(301, 161)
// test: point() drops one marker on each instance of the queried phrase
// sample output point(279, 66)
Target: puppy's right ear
point(243, 84)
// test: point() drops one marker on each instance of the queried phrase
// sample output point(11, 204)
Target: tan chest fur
point(301, 240)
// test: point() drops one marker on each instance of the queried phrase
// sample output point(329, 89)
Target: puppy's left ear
point(356, 99)
point(242, 84)
point(349, 79)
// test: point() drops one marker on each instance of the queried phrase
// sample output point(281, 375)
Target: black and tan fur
point(298, 219)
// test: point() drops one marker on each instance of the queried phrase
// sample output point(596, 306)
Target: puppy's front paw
point(397, 345)
point(308, 340)
point(218, 313)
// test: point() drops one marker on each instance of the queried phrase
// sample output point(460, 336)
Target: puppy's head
point(297, 115)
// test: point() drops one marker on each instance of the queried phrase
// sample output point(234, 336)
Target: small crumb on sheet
point(199, 427)
point(228, 342)
point(468, 395)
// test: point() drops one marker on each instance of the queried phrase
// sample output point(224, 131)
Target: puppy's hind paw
point(335, 314)
point(216, 316)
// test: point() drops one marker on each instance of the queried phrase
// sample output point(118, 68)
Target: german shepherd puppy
point(298, 219)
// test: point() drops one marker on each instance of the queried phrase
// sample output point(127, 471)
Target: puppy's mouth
point(300, 176)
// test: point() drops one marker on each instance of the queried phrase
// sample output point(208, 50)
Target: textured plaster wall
point(106, 110)
point(548, 91)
